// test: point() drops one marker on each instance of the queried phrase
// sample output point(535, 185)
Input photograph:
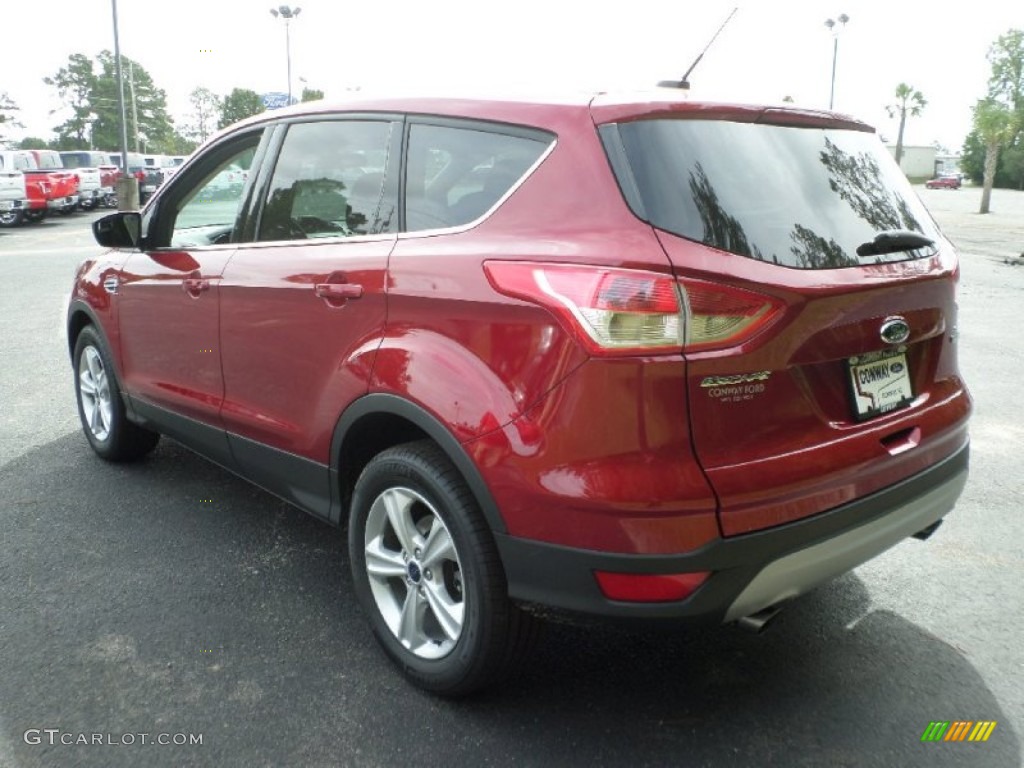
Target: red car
point(943, 182)
point(563, 353)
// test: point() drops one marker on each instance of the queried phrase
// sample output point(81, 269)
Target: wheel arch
point(379, 421)
point(79, 316)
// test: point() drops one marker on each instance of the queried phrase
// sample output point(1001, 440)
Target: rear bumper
point(749, 572)
point(60, 203)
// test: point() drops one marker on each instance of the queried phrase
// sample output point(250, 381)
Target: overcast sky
point(771, 49)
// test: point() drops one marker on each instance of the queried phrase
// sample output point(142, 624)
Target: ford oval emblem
point(895, 330)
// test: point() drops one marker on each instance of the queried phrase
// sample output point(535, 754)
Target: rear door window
point(794, 196)
point(329, 182)
point(454, 174)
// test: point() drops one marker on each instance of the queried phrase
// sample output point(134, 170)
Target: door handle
point(338, 290)
point(194, 286)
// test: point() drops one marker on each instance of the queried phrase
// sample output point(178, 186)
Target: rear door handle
point(338, 290)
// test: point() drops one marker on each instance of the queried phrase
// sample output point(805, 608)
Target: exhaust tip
point(925, 533)
point(758, 622)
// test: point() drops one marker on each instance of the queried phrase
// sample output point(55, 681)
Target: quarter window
point(329, 182)
point(456, 175)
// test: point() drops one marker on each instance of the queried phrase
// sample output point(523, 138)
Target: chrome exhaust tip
point(757, 622)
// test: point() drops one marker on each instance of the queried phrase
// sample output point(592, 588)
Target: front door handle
point(338, 294)
point(194, 286)
point(339, 290)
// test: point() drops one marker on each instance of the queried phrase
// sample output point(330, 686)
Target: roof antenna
point(684, 83)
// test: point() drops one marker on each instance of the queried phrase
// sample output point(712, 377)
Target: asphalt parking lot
point(129, 605)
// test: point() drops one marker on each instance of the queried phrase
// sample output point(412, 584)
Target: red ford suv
point(633, 357)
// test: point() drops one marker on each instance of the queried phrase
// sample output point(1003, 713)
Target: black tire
point(35, 215)
point(495, 634)
point(103, 416)
point(11, 218)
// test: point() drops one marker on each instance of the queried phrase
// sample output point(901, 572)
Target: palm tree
point(996, 126)
point(908, 102)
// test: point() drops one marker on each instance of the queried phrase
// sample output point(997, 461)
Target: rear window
point(50, 160)
point(75, 159)
point(794, 196)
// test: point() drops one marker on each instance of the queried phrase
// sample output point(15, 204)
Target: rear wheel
point(427, 573)
point(101, 407)
point(10, 218)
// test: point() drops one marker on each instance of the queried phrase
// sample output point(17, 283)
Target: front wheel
point(35, 214)
point(427, 573)
point(100, 406)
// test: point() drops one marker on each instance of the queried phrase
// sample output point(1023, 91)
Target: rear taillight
point(723, 315)
point(612, 311)
point(626, 311)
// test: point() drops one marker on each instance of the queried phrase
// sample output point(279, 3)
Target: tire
point(34, 215)
point(11, 218)
point(444, 618)
point(101, 407)
point(67, 210)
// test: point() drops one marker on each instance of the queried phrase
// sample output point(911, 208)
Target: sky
point(770, 49)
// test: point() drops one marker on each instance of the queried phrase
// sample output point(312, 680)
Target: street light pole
point(831, 24)
point(286, 13)
point(120, 90)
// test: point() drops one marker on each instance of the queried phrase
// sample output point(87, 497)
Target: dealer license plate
point(879, 382)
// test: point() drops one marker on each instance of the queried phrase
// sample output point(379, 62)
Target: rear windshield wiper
point(892, 240)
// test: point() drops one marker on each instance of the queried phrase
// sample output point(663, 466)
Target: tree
point(238, 105)
point(1007, 59)
point(972, 158)
point(76, 86)
point(312, 94)
point(206, 108)
point(180, 145)
point(908, 102)
point(33, 142)
point(7, 119)
point(154, 131)
point(1006, 93)
point(996, 125)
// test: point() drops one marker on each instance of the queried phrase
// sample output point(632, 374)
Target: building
point(917, 162)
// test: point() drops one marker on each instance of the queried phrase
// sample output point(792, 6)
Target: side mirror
point(118, 230)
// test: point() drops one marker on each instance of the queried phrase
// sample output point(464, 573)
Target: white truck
point(13, 194)
point(87, 163)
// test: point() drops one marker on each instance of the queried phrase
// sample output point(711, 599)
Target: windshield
point(795, 196)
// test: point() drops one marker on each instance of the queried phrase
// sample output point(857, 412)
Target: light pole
point(831, 24)
point(120, 89)
point(286, 13)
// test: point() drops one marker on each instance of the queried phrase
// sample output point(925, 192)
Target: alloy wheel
point(414, 573)
point(94, 392)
